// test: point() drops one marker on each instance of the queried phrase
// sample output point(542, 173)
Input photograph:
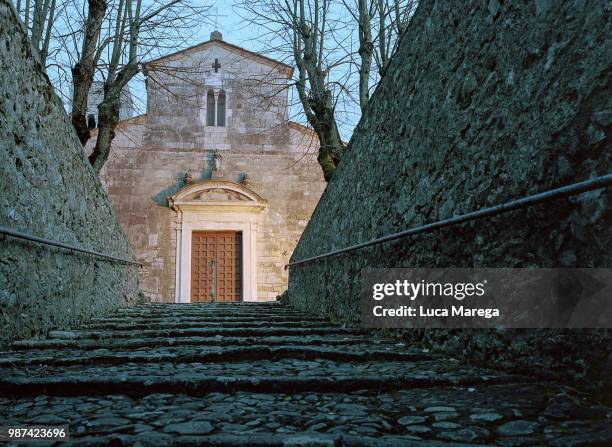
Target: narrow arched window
point(221, 109)
point(210, 108)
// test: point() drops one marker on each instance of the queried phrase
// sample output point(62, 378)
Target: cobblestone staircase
point(266, 375)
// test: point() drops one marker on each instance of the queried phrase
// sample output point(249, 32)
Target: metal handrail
point(41, 240)
point(603, 181)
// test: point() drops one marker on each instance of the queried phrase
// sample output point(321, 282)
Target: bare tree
point(363, 16)
point(308, 50)
point(83, 71)
point(39, 19)
point(107, 40)
point(380, 24)
point(334, 46)
point(393, 18)
point(135, 25)
point(301, 32)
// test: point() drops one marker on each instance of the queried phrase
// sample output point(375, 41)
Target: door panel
point(225, 267)
point(216, 262)
point(202, 254)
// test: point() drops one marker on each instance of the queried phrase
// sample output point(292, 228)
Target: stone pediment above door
point(216, 195)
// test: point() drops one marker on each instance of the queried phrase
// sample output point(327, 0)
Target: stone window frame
point(210, 107)
point(221, 102)
point(216, 107)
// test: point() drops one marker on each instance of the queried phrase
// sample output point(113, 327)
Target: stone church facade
point(213, 185)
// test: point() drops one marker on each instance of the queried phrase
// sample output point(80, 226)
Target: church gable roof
point(243, 52)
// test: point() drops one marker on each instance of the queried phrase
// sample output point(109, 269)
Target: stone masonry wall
point(485, 101)
point(48, 189)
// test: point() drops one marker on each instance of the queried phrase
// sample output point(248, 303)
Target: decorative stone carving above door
point(218, 194)
point(222, 194)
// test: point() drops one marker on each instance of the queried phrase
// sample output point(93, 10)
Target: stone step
point(210, 332)
point(177, 324)
point(257, 304)
point(303, 439)
point(201, 385)
point(253, 308)
point(600, 436)
point(123, 343)
point(245, 369)
point(213, 313)
point(190, 354)
point(186, 309)
point(506, 415)
point(205, 318)
point(227, 305)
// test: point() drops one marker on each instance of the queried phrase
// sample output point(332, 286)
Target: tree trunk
point(108, 117)
point(366, 48)
point(320, 114)
point(319, 105)
point(330, 144)
point(108, 114)
point(84, 70)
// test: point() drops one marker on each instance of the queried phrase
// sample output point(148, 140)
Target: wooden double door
point(216, 266)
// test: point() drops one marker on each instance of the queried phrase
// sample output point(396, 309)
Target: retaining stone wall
point(48, 189)
point(485, 101)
